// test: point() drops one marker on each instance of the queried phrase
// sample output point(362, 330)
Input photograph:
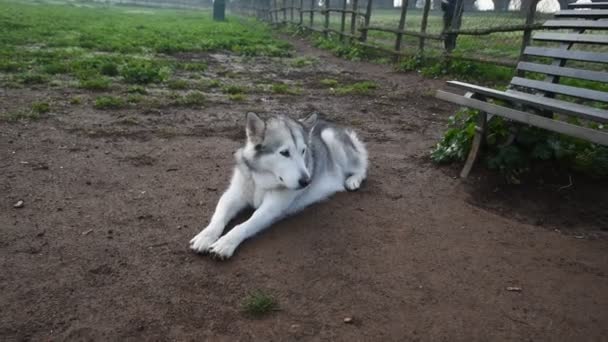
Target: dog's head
point(278, 149)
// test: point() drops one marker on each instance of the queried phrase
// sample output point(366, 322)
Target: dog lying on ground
point(284, 166)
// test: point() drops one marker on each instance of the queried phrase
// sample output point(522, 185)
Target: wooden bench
point(541, 103)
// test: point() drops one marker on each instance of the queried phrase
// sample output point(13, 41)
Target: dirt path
point(99, 251)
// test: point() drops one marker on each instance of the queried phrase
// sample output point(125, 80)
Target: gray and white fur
point(284, 166)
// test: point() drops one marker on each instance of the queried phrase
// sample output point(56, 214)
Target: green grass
point(177, 84)
point(301, 62)
point(237, 97)
point(193, 98)
point(21, 115)
point(259, 304)
point(109, 102)
point(41, 107)
point(329, 82)
point(119, 29)
point(282, 88)
point(233, 89)
point(359, 88)
point(96, 83)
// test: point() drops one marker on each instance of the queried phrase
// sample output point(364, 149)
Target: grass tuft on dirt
point(259, 304)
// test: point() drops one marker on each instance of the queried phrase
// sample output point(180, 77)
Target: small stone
point(514, 288)
point(19, 204)
point(348, 320)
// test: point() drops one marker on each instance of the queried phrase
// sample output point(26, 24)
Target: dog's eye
point(303, 151)
point(285, 153)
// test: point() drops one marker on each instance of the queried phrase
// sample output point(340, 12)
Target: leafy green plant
point(531, 145)
point(236, 97)
point(329, 82)
point(109, 69)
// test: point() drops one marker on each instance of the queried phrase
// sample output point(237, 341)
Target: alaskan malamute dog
point(284, 166)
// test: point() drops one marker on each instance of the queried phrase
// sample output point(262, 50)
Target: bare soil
point(99, 250)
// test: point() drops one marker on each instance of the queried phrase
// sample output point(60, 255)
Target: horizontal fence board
point(572, 37)
point(584, 56)
point(589, 75)
point(587, 94)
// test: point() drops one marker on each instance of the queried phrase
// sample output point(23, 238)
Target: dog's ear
point(310, 120)
point(255, 128)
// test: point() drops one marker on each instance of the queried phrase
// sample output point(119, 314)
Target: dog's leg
point(231, 202)
point(272, 208)
point(352, 157)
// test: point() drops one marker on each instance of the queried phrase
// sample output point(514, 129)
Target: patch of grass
point(10, 66)
point(144, 72)
point(134, 98)
point(192, 66)
point(194, 98)
point(206, 84)
point(177, 84)
point(76, 100)
point(301, 62)
point(463, 70)
point(359, 88)
point(41, 107)
point(95, 83)
point(233, 89)
point(137, 89)
point(22, 115)
point(329, 82)
point(259, 303)
point(109, 102)
point(109, 69)
point(281, 88)
point(129, 121)
point(237, 97)
point(56, 68)
point(30, 78)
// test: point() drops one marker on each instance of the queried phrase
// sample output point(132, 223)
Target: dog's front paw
point(353, 182)
point(223, 248)
point(202, 242)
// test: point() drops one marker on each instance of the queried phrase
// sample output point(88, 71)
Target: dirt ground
point(100, 249)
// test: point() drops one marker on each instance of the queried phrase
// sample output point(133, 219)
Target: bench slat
point(586, 24)
point(554, 105)
point(589, 75)
point(582, 93)
point(577, 55)
point(572, 37)
point(589, 134)
point(598, 5)
point(595, 14)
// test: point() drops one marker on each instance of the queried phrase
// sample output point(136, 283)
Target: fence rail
point(352, 23)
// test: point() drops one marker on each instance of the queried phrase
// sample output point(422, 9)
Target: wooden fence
point(354, 24)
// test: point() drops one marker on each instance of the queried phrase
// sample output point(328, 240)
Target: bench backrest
point(580, 53)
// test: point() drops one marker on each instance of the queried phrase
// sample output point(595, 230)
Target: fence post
point(368, 15)
point(530, 12)
point(284, 8)
point(301, 22)
point(343, 23)
point(455, 19)
point(399, 38)
point(291, 11)
point(312, 13)
point(325, 31)
point(276, 11)
point(425, 18)
point(353, 18)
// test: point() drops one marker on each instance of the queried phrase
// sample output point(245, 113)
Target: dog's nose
point(304, 181)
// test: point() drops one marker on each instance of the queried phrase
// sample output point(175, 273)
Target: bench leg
point(480, 130)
